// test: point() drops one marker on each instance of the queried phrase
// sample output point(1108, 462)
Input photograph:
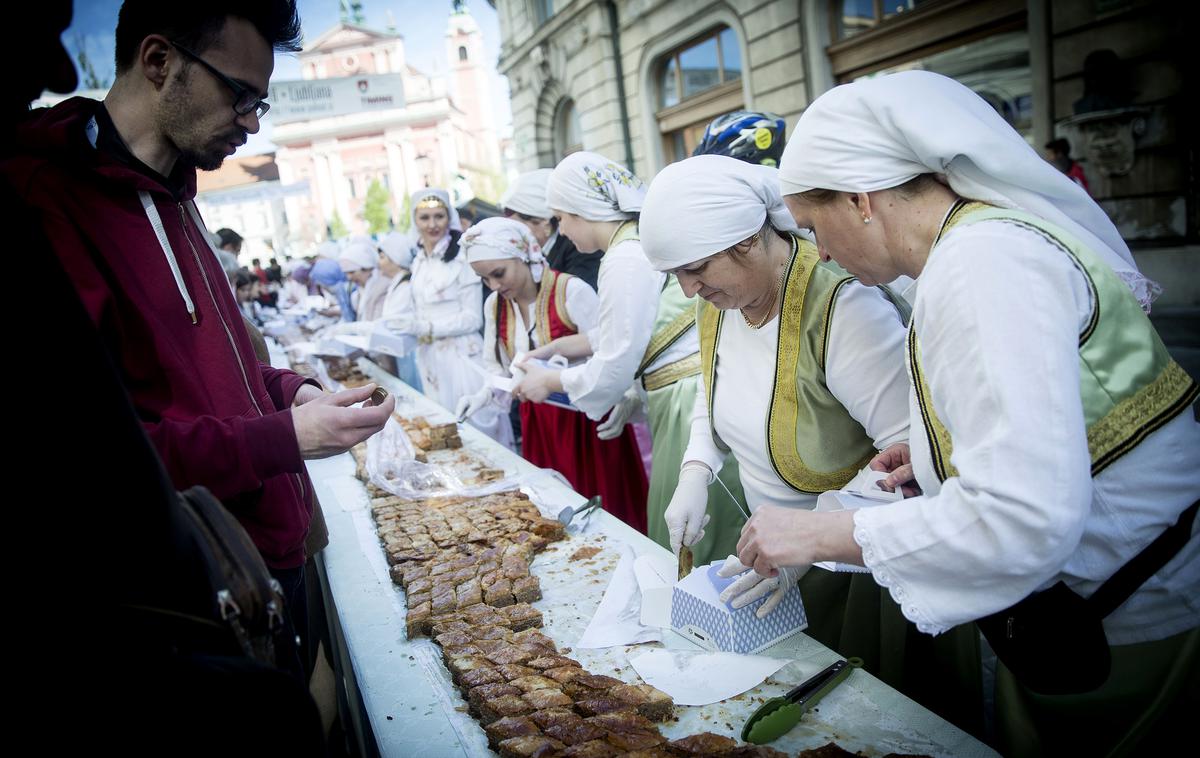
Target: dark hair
point(243, 278)
point(739, 256)
point(195, 25)
point(229, 237)
point(452, 249)
point(1061, 146)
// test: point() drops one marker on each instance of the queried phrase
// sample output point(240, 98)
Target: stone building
point(638, 79)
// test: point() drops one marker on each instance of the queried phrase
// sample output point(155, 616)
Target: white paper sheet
point(694, 677)
point(618, 619)
point(655, 577)
point(860, 492)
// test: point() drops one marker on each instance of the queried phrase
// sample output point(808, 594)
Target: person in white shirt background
point(396, 314)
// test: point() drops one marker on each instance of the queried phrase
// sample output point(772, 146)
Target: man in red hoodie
point(114, 183)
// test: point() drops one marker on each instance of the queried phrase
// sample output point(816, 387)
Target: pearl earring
point(866, 219)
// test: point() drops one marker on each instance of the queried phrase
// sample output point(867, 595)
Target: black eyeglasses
point(245, 99)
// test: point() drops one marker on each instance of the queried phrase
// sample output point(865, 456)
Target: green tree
point(337, 227)
point(90, 78)
point(404, 220)
point(375, 209)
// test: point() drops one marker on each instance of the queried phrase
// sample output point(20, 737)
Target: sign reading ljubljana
point(320, 98)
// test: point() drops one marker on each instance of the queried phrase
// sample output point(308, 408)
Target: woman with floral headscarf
point(447, 315)
point(532, 305)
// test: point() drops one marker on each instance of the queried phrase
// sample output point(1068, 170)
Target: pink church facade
point(443, 135)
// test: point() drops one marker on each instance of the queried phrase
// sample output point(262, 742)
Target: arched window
point(568, 133)
point(462, 53)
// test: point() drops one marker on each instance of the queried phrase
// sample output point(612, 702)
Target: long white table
point(413, 708)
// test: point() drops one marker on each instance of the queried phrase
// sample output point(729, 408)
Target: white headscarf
point(358, 254)
point(442, 195)
point(703, 205)
point(528, 194)
point(328, 249)
point(494, 239)
point(398, 247)
point(879, 133)
point(595, 188)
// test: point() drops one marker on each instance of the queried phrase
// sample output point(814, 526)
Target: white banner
point(320, 98)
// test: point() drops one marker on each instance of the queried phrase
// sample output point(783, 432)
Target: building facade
point(441, 131)
point(245, 195)
point(637, 80)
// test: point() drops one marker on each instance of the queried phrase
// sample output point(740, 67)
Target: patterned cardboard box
point(698, 614)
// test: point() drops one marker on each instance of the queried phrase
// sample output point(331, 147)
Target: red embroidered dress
point(565, 440)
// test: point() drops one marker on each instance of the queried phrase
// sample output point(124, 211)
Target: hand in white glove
point(751, 585)
point(469, 405)
point(620, 414)
point(687, 514)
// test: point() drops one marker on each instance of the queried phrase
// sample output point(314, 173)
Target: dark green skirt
point(1148, 706)
point(854, 616)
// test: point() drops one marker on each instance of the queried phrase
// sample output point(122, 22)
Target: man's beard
point(205, 161)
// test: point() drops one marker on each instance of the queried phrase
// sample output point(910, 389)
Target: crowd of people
point(902, 286)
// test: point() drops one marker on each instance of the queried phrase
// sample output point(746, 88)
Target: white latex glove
point(751, 585)
point(629, 404)
point(469, 405)
point(687, 514)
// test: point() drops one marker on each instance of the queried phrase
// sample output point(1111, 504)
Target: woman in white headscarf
point(360, 263)
point(1057, 436)
point(447, 313)
point(532, 305)
point(396, 314)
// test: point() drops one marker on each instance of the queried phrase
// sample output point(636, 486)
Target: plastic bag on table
point(392, 466)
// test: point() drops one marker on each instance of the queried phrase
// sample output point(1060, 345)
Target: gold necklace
point(770, 309)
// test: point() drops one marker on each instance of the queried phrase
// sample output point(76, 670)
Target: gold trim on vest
point(782, 422)
point(1123, 426)
point(1136, 417)
point(665, 337)
point(672, 372)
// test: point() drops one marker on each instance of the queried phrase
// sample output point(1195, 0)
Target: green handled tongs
point(777, 716)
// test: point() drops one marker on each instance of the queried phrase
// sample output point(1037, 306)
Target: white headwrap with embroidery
point(595, 188)
point(703, 205)
point(879, 133)
point(494, 239)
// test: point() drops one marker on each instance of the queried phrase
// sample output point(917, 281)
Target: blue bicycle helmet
point(745, 135)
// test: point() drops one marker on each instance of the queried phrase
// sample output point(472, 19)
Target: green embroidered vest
point(813, 442)
point(1128, 382)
